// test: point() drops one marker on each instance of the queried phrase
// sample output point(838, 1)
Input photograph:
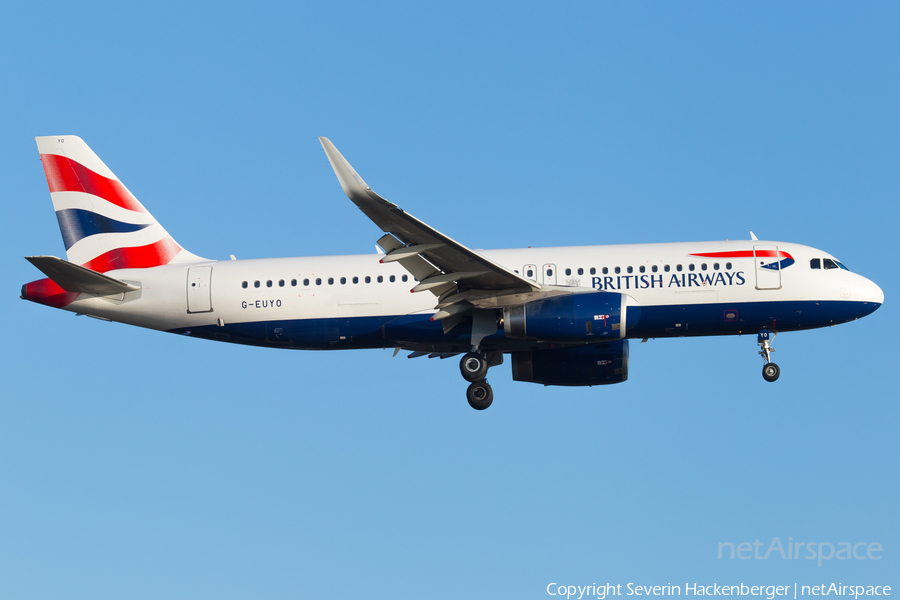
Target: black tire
point(771, 371)
point(473, 367)
point(480, 395)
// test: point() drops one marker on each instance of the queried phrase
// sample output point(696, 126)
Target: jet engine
point(581, 317)
point(600, 364)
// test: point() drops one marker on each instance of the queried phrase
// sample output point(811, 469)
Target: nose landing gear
point(770, 371)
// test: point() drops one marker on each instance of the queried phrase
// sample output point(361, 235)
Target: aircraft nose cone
point(871, 295)
point(876, 293)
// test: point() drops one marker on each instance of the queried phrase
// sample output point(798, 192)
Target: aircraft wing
point(437, 261)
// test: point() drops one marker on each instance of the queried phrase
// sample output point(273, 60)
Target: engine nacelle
point(581, 317)
point(602, 364)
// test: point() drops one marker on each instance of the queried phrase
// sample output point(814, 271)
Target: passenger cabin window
point(677, 267)
point(269, 283)
point(618, 270)
point(703, 267)
point(631, 269)
point(244, 285)
point(293, 283)
point(827, 263)
point(380, 279)
point(355, 279)
point(549, 272)
point(593, 271)
point(643, 269)
point(728, 266)
point(605, 270)
point(405, 277)
point(815, 264)
point(715, 266)
point(281, 283)
point(530, 273)
point(568, 271)
point(393, 278)
point(667, 268)
point(654, 268)
point(368, 279)
point(331, 281)
point(690, 267)
point(256, 284)
point(580, 271)
point(306, 283)
point(318, 281)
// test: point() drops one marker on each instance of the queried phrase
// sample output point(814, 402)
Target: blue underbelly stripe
point(412, 330)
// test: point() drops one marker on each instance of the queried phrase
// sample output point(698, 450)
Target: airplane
point(564, 315)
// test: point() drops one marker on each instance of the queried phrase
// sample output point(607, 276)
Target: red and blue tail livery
point(103, 225)
point(561, 316)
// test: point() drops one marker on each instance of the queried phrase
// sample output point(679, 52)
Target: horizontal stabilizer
point(74, 278)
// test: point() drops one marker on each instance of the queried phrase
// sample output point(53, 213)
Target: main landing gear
point(770, 371)
point(480, 395)
point(474, 367)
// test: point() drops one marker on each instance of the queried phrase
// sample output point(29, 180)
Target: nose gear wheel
point(770, 371)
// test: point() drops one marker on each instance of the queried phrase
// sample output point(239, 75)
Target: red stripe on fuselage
point(66, 175)
point(140, 257)
point(746, 254)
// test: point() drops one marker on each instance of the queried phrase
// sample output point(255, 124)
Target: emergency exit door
point(199, 297)
point(548, 272)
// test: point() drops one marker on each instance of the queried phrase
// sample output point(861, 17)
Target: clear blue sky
point(135, 464)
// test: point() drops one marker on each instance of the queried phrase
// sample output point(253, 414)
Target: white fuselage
point(225, 293)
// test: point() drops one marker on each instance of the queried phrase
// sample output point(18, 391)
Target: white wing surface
point(440, 263)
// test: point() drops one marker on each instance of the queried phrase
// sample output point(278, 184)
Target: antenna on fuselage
point(753, 236)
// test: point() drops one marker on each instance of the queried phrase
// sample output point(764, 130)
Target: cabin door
point(768, 267)
point(199, 298)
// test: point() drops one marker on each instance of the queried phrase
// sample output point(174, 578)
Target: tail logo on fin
point(66, 175)
point(103, 225)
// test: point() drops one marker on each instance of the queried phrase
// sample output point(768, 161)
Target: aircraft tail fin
point(104, 227)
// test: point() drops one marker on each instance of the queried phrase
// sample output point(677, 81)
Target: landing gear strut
point(474, 367)
point(770, 371)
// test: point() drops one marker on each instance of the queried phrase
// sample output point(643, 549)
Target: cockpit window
point(827, 263)
point(841, 265)
point(815, 264)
